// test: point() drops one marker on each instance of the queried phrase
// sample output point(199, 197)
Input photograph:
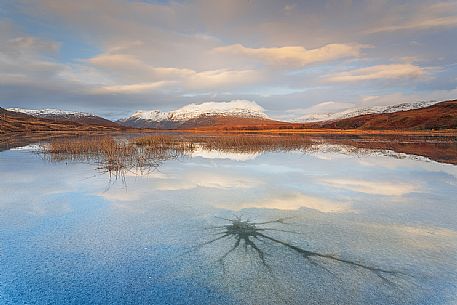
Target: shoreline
point(444, 132)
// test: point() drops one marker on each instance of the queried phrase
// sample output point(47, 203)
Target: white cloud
point(324, 107)
point(294, 55)
point(450, 21)
point(206, 180)
point(291, 201)
point(391, 71)
point(135, 75)
point(132, 88)
point(437, 15)
point(398, 98)
point(113, 60)
point(385, 188)
point(216, 154)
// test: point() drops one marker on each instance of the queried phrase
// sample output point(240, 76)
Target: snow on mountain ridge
point(242, 108)
point(353, 112)
point(49, 112)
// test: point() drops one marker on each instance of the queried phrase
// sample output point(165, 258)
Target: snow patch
point(49, 112)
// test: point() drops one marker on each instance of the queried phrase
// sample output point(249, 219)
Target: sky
point(113, 57)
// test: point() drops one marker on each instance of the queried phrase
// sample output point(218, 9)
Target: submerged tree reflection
point(250, 235)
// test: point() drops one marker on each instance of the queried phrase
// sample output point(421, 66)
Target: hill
point(358, 111)
point(63, 115)
point(11, 121)
point(441, 115)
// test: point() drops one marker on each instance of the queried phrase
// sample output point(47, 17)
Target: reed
point(254, 143)
point(120, 155)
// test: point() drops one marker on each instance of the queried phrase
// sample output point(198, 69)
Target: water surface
point(335, 224)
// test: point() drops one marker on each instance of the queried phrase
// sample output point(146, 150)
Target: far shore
point(314, 131)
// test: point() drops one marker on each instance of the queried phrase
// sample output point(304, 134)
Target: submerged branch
point(246, 233)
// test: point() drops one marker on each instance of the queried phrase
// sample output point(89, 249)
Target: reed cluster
point(121, 155)
point(115, 155)
point(254, 143)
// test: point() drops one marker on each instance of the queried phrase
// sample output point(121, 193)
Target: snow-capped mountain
point(64, 115)
point(44, 113)
point(353, 112)
point(172, 119)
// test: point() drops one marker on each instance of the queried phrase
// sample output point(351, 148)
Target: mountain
point(12, 122)
point(63, 115)
point(235, 115)
point(228, 114)
point(441, 115)
point(353, 112)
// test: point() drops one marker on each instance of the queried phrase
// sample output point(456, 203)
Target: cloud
point(428, 16)
point(132, 88)
point(373, 187)
point(291, 201)
point(206, 180)
point(113, 60)
point(25, 58)
point(399, 97)
point(450, 21)
point(391, 71)
point(221, 78)
point(215, 154)
point(294, 55)
point(114, 56)
point(147, 77)
point(323, 107)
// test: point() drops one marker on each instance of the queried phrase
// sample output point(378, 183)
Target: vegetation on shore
point(118, 155)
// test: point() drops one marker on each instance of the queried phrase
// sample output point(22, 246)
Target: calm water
point(327, 226)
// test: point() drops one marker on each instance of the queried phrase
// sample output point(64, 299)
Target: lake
point(345, 221)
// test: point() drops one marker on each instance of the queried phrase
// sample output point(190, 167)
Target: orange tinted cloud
point(294, 55)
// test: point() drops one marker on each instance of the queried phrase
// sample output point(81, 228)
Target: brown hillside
point(19, 122)
point(439, 116)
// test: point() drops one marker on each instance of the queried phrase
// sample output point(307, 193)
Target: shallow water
point(332, 225)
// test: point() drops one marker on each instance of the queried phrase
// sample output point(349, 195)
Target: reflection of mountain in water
point(436, 148)
point(141, 154)
point(220, 154)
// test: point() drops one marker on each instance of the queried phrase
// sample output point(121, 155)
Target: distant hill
point(441, 115)
point(235, 115)
point(11, 121)
point(246, 115)
point(63, 115)
point(357, 111)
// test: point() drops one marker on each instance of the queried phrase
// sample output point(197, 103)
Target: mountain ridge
point(65, 115)
point(12, 122)
point(441, 115)
point(357, 111)
point(193, 115)
point(235, 115)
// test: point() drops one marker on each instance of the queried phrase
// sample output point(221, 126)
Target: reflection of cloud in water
point(121, 195)
point(206, 180)
point(291, 201)
point(390, 163)
point(372, 187)
point(29, 147)
point(432, 239)
point(219, 154)
point(144, 173)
